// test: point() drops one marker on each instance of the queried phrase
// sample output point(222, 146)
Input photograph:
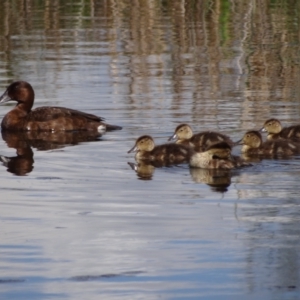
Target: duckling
point(165, 154)
point(275, 131)
point(184, 135)
point(217, 156)
point(253, 145)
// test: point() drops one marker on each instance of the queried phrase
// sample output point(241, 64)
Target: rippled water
point(78, 222)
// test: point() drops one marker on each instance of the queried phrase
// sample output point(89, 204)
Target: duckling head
point(251, 139)
point(221, 150)
point(143, 143)
point(182, 132)
point(271, 126)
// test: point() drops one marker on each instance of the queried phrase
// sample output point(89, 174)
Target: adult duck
point(46, 118)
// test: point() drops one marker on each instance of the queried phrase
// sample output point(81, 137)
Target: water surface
point(78, 222)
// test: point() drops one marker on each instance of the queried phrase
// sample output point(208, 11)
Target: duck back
point(166, 154)
point(204, 139)
point(276, 148)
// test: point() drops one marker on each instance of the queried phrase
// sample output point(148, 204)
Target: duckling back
point(169, 154)
point(279, 148)
point(204, 139)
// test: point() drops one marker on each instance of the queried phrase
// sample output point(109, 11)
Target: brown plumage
point(22, 118)
point(275, 131)
point(184, 135)
point(217, 156)
point(253, 145)
point(163, 154)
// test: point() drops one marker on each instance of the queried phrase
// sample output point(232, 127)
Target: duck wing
point(46, 113)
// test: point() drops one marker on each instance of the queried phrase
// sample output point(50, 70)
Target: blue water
point(77, 222)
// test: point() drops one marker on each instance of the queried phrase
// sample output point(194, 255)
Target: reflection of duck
point(165, 154)
point(20, 164)
point(275, 131)
point(23, 141)
point(218, 179)
point(144, 170)
point(184, 135)
point(23, 162)
point(45, 140)
point(22, 118)
point(217, 156)
point(253, 145)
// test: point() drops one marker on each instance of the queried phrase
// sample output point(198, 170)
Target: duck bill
point(5, 98)
point(133, 149)
point(173, 137)
point(240, 142)
point(263, 129)
point(133, 166)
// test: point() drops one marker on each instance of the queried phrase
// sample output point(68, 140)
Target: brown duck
point(47, 118)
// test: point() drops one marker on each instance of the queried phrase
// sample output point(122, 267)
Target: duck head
point(182, 132)
point(143, 143)
point(252, 139)
point(271, 126)
point(21, 92)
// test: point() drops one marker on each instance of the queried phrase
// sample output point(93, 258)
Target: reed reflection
point(23, 142)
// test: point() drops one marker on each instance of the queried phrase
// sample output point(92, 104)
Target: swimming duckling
point(275, 131)
point(165, 154)
point(184, 135)
point(253, 145)
point(217, 156)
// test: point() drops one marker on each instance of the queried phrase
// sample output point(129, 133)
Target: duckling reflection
point(143, 170)
point(199, 141)
point(218, 179)
point(253, 145)
point(275, 131)
point(23, 142)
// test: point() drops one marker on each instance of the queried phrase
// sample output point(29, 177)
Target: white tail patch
point(101, 128)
